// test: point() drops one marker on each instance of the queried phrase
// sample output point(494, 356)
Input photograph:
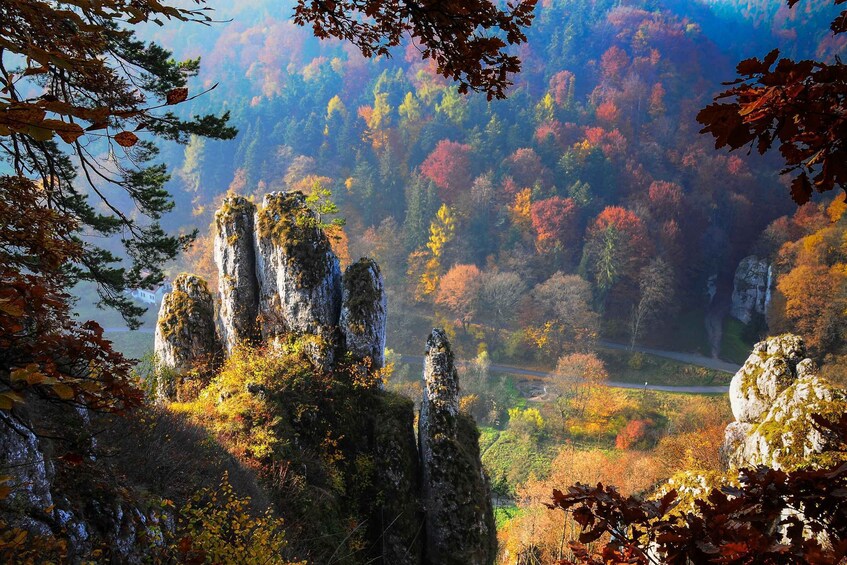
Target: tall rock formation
point(750, 289)
point(459, 519)
point(363, 312)
point(298, 274)
point(774, 398)
point(235, 256)
point(185, 331)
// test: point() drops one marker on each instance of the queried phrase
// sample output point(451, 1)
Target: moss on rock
point(289, 223)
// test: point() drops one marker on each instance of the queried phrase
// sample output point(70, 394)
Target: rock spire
point(299, 276)
point(363, 312)
point(235, 256)
point(456, 495)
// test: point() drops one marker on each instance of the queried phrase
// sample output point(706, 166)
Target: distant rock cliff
point(751, 288)
point(279, 275)
point(774, 397)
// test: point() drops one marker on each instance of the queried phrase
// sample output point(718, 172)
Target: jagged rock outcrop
point(30, 474)
point(298, 274)
point(235, 256)
point(279, 264)
point(750, 289)
point(774, 397)
point(363, 312)
point(456, 495)
point(185, 337)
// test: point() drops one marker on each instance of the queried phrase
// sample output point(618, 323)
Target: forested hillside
point(481, 211)
point(280, 284)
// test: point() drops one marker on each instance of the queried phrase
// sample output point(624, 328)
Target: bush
point(216, 526)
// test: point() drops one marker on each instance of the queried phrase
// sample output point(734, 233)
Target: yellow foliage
point(836, 209)
point(522, 209)
point(335, 106)
point(216, 526)
point(441, 232)
point(530, 415)
point(540, 336)
point(545, 109)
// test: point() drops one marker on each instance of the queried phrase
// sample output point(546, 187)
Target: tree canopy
point(453, 34)
point(801, 105)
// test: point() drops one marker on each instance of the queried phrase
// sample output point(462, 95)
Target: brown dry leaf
point(177, 95)
point(126, 139)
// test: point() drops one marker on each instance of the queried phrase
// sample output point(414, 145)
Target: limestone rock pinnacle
point(185, 337)
point(235, 257)
point(363, 312)
point(459, 521)
point(298, 274)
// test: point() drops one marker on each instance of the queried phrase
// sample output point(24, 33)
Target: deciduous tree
point(455, 35)
point(458, 291)
point(799, 105)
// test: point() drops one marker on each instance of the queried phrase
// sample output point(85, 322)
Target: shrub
point(216, 526)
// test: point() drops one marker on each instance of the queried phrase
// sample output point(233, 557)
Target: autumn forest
point(229, 229)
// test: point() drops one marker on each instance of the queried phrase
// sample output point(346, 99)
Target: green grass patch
point(689, 333)
point(629, 367)
point(135, 345)
point(505, 514)
point(511, 459)
point(734, 342)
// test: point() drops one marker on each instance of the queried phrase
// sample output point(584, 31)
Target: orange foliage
point(459, 289)
point(608, 112)
point(635, 432)
point(555, 221)
point(613, 62)
point(37, 332)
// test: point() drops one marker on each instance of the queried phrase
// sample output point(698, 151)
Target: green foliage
point(734, 344)
point(512, 458)
point(526, 422)
point(324, 443)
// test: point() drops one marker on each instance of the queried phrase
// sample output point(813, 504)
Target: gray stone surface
point(298, 274)
point(235, 256)
point(774, 398)
point(363, 312)
point(750, 289)
point(456, 495)
point(185, 338)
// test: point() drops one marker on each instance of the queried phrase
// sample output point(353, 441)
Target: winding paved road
point(498, 368)
point(689, 358)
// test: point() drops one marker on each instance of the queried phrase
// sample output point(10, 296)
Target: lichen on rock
point(363, 312)
point(238, 287)
point(456, 493)
point(298, 274)
point(774, 397)
point(185, 338)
